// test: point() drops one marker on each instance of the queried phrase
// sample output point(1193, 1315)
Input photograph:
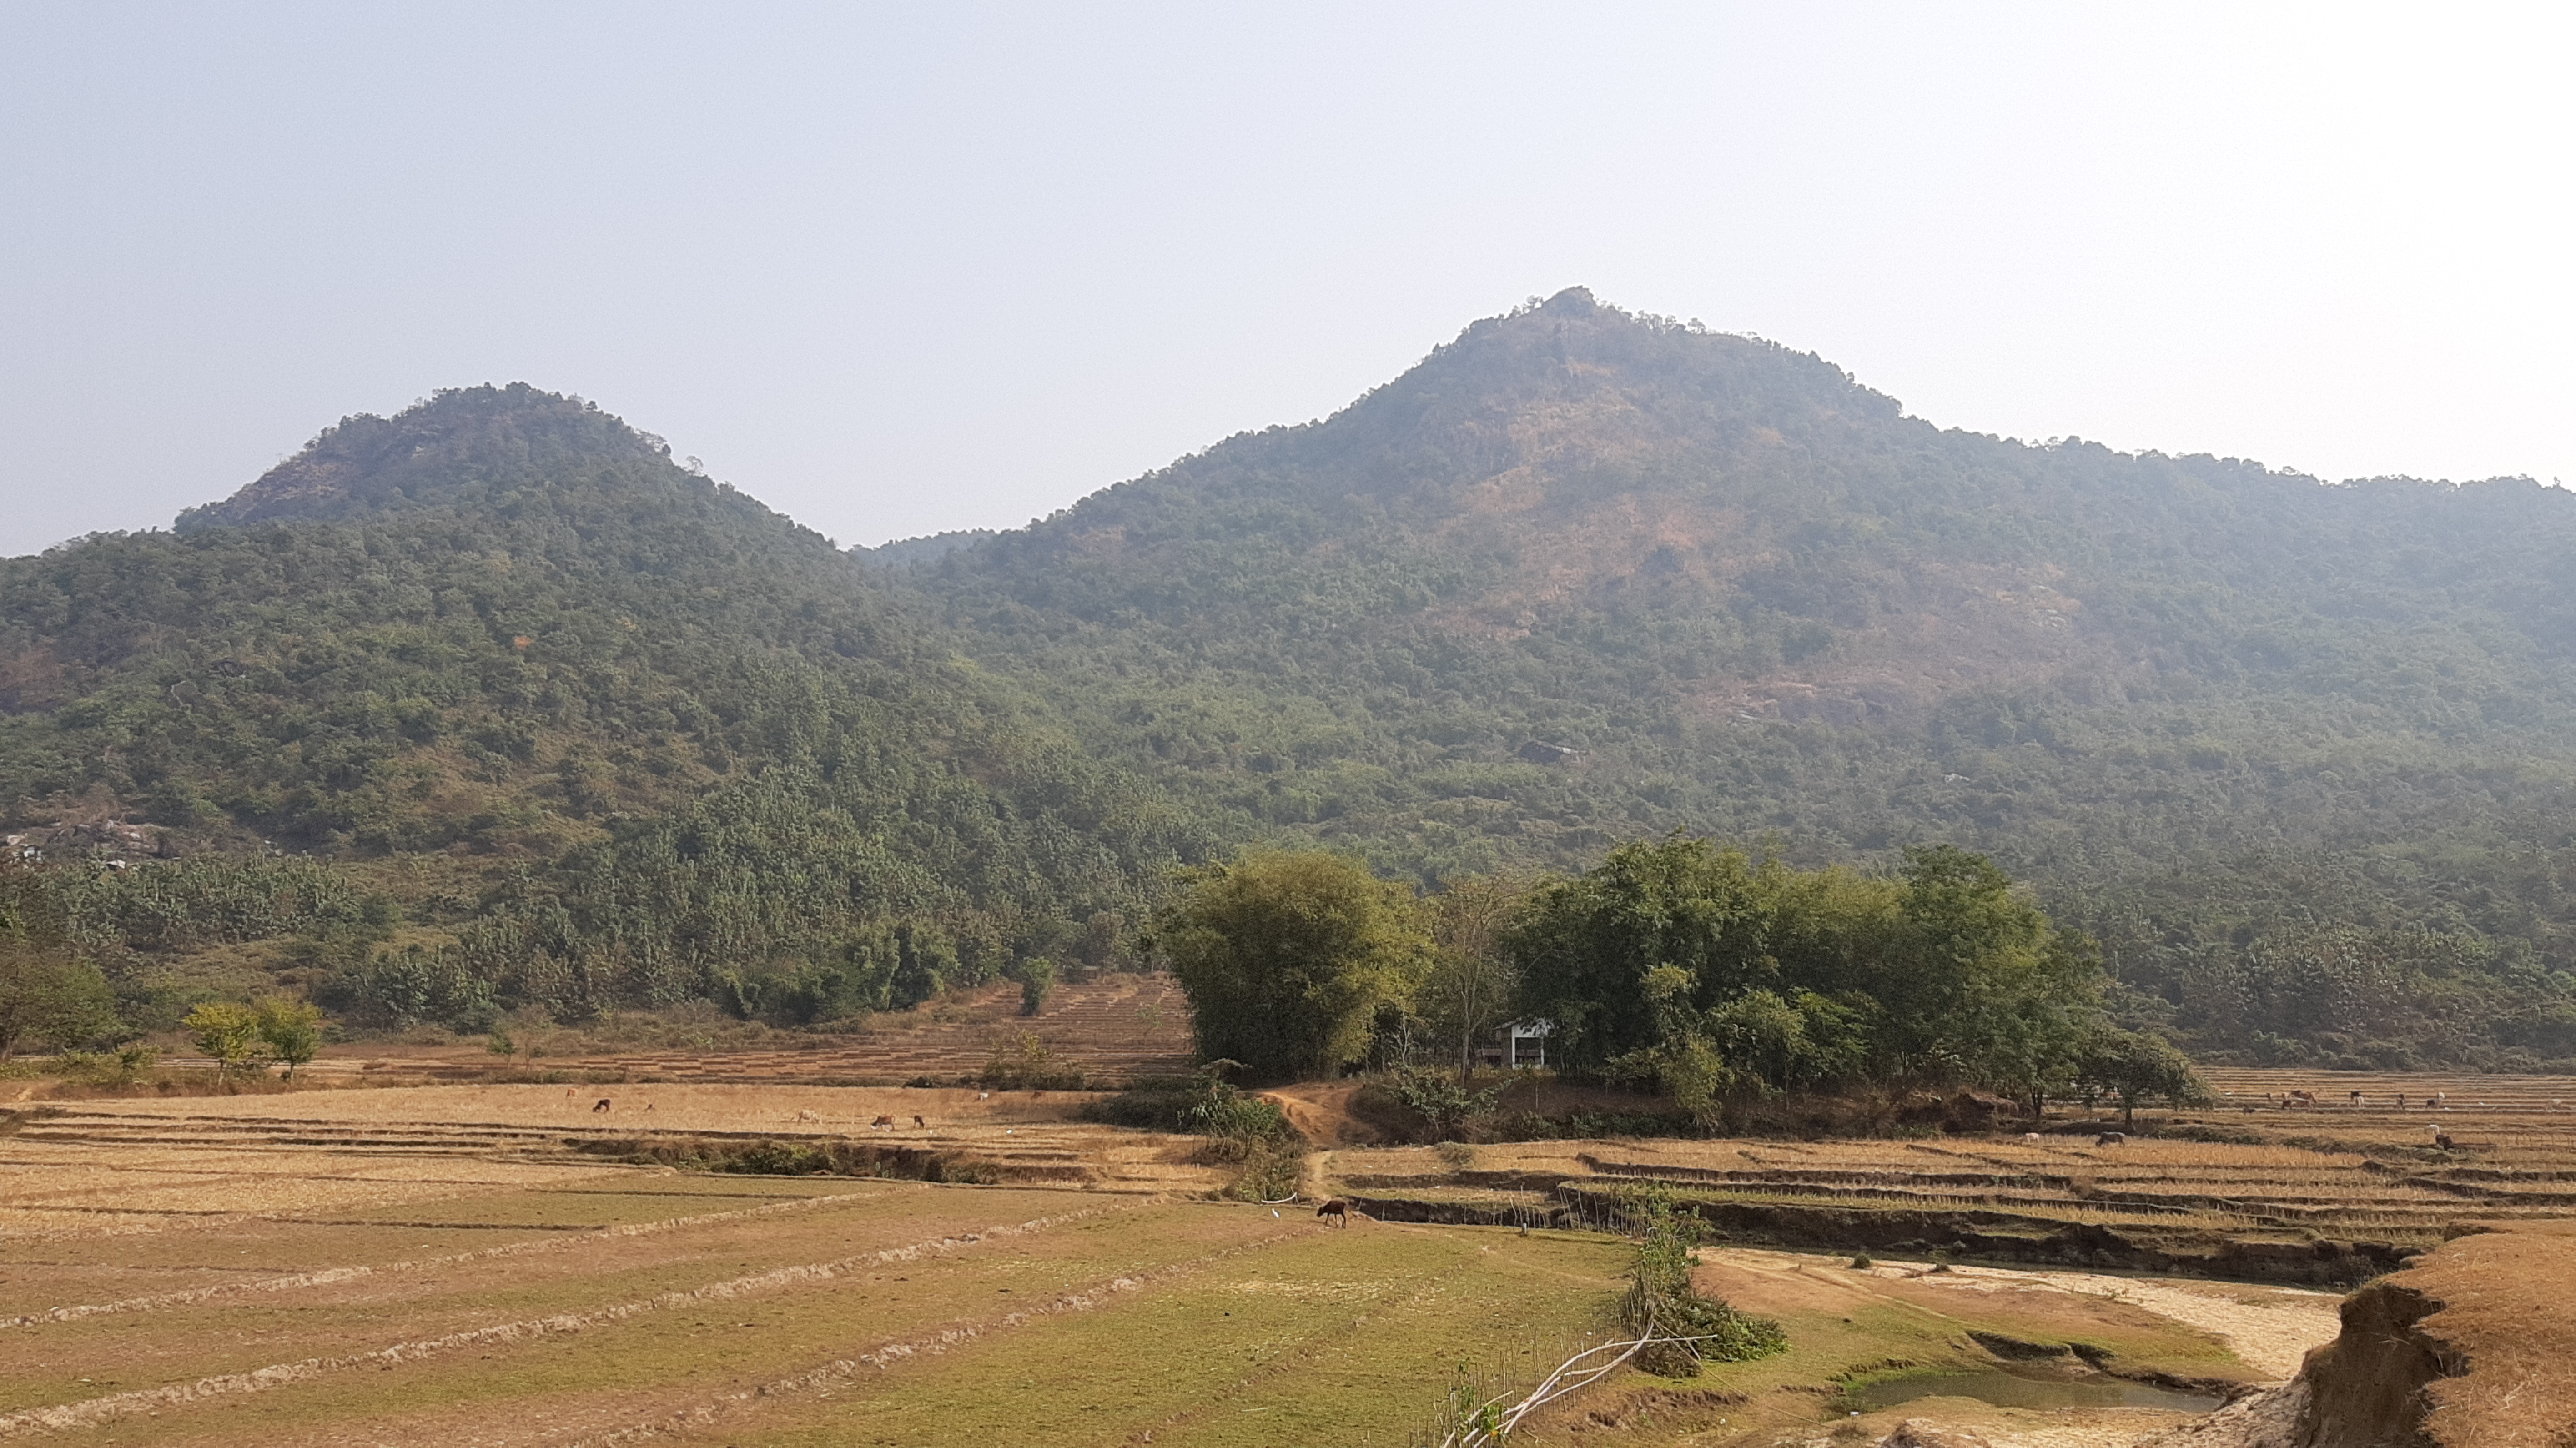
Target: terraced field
point(453, 1264)
point(1113, 1030)
point(152, 1161)
point(2327, 1196)
point(463, 1264)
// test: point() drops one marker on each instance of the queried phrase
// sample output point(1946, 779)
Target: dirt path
point(1321, 1111)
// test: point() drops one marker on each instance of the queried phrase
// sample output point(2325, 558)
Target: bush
point(1446, 1107)
point(1661, 1301)
point(1243, 1131)
point(1037, 981)
point(1021, 1062)
point(291, 1030)
point(227, 1033)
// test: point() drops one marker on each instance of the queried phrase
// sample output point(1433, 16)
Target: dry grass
point(2505, 1307)
point(436, 1264)
point(2342, 1175)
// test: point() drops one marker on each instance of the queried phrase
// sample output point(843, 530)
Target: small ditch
point(2024, 1388)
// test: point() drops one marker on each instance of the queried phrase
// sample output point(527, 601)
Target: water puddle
point(2008, 1389)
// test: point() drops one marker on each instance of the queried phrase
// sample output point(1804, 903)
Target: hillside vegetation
point(590, 726)
point(568, 725)
point(2299, 754)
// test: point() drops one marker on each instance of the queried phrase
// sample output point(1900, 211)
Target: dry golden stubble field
point(434, 1281)
point(430, 1263)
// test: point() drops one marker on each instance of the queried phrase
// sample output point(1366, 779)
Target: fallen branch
point(1492, 1422)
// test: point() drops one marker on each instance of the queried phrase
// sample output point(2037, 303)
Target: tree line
point(1675, 965)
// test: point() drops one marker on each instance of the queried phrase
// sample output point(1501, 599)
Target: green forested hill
point(560, 722)
point(629, 726)
point(2301, 754)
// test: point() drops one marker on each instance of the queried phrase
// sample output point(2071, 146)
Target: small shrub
point(1272, 1167)
point(1022, 1062)
point(1037, 981)
point(1446, 1107)
point(1662, 1301)
point(227, 1033)
point(1243, 1131)
point(291, 1030)
point(1457, 1155)
point(1861, 1263)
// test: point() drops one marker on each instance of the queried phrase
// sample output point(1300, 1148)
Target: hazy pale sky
point(912, 268)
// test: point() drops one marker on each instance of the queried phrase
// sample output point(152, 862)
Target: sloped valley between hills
point(506, 939)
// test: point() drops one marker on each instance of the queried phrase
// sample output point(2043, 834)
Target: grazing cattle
point(882, 1122)
point(2356, 1101)
point(1337, 1209)
point(2401, 1100)
point(2441, 1138)
point(602, 1106)
point(917, 1121)
point(2441, 1101)
point(2030, 1136)
point(809, 1116)
point(2303, 1098)
point(2112, 1138)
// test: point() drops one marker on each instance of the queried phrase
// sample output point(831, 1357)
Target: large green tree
point(1286, 957)
point(1585, 944)
point(48, 995)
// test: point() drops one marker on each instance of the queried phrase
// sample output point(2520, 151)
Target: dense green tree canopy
point(1714, 971)
point(1287, 956)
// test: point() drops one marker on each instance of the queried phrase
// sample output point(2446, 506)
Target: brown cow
point(917, 1121)
point(882, 1121)
point(602, 1106)
point(2112, 1138)
point(1337, 1209)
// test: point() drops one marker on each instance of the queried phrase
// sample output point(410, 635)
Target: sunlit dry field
point(2280, 1176)
point(435, 1265)
point(453, 1264)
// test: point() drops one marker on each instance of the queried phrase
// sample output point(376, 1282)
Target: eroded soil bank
point(2472, 1346)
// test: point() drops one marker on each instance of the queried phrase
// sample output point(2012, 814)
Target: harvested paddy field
point(509, 1264)
point(2327, 1196)
point(449, 1264)
point(1110, 1030)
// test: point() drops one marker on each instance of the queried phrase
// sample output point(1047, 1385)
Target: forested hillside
point(590, 727)
point(2300, 754)
point(492, 704)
